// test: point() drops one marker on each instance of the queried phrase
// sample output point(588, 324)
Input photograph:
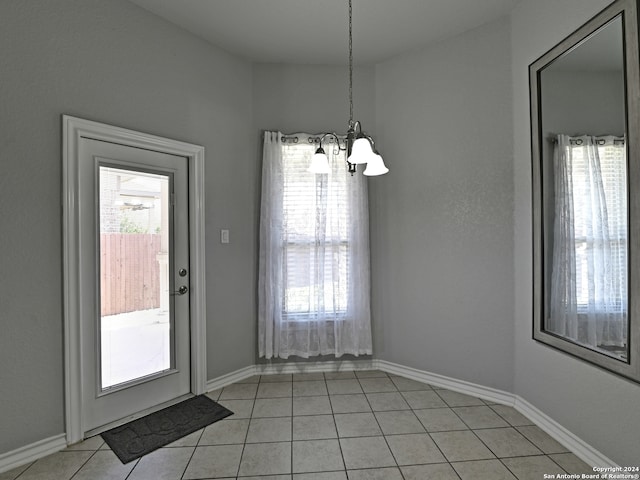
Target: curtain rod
point(599, 141)
point(311, 137)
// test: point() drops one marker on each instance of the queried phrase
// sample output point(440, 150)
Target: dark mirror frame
point(628, 10)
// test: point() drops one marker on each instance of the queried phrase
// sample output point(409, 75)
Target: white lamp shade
point(319, 163)
point(375, 166)
point(361, 151)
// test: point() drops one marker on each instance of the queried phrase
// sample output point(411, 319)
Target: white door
point(134, 266)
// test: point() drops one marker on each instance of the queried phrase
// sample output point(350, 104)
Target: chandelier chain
point(354, 137)
point(350, 65)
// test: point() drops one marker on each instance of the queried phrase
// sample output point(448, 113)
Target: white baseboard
point(30, 453)
point(468, 388)
point(581, 449)
point(229, 378)
point(311, 367)
point(287, 367)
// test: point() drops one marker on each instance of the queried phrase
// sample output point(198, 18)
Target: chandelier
point(359, 146)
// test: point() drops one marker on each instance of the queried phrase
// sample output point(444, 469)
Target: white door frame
point(73, 129)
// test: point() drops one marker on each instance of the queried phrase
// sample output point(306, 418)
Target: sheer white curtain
point(588, 297)
point(314, 253)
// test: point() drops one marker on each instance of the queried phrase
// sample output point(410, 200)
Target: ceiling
point(316, 31)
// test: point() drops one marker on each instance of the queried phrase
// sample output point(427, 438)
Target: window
point(609, 242)
point(316, 241)
point(314, 253)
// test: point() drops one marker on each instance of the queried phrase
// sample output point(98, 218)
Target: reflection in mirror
point(588, 249)
point(584, 108)
point(583, 114)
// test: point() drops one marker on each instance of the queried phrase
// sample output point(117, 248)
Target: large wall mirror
point(586, 192)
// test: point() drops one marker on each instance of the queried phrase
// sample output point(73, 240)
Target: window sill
point(303, 318)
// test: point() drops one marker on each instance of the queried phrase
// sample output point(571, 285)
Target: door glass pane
point(135, 321)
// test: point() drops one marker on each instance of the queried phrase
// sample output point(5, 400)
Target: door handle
point(181, 291)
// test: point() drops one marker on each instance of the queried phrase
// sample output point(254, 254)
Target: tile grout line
point(335, 425)
point(291, 444)
point(378, 423)
point(246, 435)
point(244, 443)
point(190, 456)
point(429, 434)
point(474, 433)
point(542, 453)
point(471, 430)
point(81, 466)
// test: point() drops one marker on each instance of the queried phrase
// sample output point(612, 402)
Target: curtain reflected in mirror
point(588, 288)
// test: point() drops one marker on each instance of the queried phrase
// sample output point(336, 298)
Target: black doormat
point(144, 435)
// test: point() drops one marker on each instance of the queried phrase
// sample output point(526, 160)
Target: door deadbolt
point(182, 272)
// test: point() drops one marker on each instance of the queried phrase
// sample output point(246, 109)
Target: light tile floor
point(364, 425)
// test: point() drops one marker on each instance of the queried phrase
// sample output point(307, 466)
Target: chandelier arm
point(357, 125)
point(371, 142)
point(334, 135)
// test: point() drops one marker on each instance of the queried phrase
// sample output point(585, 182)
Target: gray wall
point(441, 220)
point(115, 63)
point(598, 406)
point(310, 98)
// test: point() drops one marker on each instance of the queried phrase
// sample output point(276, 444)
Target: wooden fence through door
point(129, 272)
